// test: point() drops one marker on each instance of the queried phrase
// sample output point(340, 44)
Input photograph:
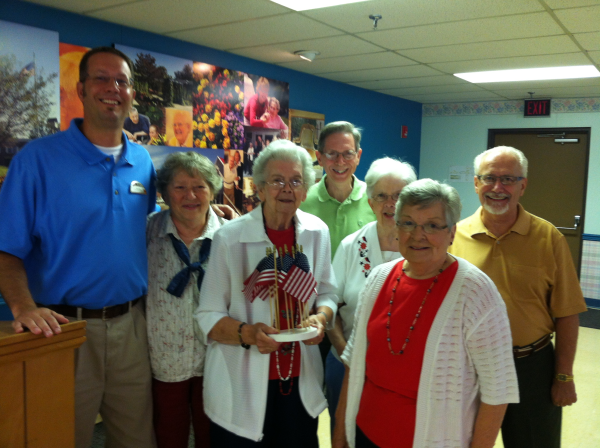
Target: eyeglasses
point(490, 179)
point(429, 228)
point(120, 82)
point(280, 184)
point(333, 155)
point(382, 197)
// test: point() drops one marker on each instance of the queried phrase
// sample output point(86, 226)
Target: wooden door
point(557, 177)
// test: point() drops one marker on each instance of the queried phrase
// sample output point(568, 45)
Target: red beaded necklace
point(414, 322)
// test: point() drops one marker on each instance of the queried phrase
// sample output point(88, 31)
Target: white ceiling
point(416, 48)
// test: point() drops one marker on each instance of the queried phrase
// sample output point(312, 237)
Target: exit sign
point(537, 108)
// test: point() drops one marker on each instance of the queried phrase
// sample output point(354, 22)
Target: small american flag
point(299, 282)
point(263, 273)
point(257, 285)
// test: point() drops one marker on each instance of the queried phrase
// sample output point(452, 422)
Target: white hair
point(518, 155)
point(388, 167)
point(286, 151)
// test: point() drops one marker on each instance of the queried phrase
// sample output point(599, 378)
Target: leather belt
point(528, 350)
point(108, 312)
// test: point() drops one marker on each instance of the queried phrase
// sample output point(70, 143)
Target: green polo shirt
point(342, 218)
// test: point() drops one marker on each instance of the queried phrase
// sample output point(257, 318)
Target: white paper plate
point(296, 334)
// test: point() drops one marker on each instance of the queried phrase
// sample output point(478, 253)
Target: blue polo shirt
point(78, 220)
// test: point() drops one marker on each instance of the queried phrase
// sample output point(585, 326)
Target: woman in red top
point(255, 112)
point(435, 327)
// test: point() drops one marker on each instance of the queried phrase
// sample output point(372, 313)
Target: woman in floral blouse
point(178, 242)
point(358, 254)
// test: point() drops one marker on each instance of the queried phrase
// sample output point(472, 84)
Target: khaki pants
point(113, 378)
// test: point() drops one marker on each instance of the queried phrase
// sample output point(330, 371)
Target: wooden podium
point(37, 387)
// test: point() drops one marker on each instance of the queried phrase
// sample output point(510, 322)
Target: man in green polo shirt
point(340, 199)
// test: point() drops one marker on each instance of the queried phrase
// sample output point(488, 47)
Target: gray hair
point(427, 192)
point(193, 164)
point(339, 127)
point(388, 167)
point(518, 155)
point(283, 150)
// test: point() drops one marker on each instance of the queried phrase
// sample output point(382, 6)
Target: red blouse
point(282, 238)
point(388, 405)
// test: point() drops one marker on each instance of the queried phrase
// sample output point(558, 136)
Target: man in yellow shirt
point(529, 261)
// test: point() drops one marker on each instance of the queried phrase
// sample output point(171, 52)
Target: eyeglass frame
point(512, 180)
point(103, 79)
point(333, 155)
point(386, 197)
point(281, 184)
point(428, 232)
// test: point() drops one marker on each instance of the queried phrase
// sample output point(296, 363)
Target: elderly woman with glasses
point(178, 243)
point(259, 392)
point(356, 257)
point(430, 356)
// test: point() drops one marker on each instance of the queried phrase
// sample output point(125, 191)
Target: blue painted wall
point(380, 116)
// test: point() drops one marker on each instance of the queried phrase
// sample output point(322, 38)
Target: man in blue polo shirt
point(72, 246)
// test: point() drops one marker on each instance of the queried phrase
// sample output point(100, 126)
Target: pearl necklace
point(414, 322)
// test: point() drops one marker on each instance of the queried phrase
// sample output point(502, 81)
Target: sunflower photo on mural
point(218, 104)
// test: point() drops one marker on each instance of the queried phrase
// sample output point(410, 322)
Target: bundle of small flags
point(293, 275)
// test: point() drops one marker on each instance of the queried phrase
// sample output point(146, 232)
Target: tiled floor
point(581, 422)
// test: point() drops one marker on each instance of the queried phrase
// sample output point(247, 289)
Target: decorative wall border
point(559, 105)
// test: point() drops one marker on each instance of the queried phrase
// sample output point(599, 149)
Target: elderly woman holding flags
point(260, 392)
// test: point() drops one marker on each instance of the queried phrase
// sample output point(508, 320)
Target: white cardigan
point(468, 358)
point(235, 379)
point(351, 275)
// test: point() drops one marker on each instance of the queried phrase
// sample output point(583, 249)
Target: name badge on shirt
point(137, 187)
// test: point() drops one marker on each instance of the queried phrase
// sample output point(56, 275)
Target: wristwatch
point(564, 377)
point(246, 346)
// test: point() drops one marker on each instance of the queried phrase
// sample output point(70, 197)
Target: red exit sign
point(537, 108)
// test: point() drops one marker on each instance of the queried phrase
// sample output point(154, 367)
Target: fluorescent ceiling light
point(531, 74)
point(304, 5)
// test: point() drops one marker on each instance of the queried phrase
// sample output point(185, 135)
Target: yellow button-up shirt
point(532, 268)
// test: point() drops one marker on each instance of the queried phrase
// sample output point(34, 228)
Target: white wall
point(456, 139)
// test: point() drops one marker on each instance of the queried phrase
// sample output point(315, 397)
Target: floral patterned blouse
point(176, 350)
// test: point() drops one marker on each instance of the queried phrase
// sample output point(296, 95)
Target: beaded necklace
point(414, 322)
point(281, 379)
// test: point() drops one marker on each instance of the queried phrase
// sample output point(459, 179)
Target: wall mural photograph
point(29, 88)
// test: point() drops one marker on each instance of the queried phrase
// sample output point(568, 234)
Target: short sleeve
point(18, 202)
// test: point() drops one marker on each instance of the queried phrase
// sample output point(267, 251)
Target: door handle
point(577, 220)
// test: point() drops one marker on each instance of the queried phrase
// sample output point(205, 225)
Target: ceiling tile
point(160, 16)
point(441, 80)
point(561, 4)
point(410, 71)
point(453, 97)
point(329, 47)
point(283, 28)
point(595, 55)
point(580, 20)
point(565, 92)
point(498, 49)
point(346, 63)
point(589, 41)
point(79, 7)
point(468, 31)
point(555, 60)
point(354, 18)
point(430, 90)
point(528, 86)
